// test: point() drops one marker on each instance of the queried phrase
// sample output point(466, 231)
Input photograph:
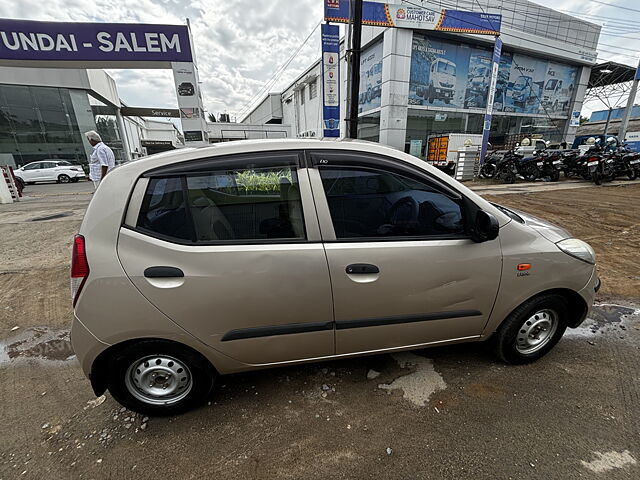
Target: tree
point(211, 117)
point(583, 120)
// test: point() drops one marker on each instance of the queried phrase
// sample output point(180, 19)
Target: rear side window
point(163, 209)
point(372, 203)
point(226, 205)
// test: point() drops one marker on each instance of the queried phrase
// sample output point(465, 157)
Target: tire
point(64, 178)
point(597, 179)
point(531, 330)
point(509, 177)
point(190, 375)
point(632, 174)
point(555, 176)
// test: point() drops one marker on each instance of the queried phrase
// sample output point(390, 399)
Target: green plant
point(256, 181)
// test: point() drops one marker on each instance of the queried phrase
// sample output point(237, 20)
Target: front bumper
point(588, 294)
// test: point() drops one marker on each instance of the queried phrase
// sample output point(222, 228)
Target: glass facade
point(37, 123)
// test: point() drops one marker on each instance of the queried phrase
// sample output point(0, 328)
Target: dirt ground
point(443, 413)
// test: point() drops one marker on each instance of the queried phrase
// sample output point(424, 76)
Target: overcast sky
point(240, 44)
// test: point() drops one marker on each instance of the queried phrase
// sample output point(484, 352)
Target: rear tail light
point(79, 267)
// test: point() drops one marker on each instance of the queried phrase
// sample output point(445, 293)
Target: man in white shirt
point(102, 159)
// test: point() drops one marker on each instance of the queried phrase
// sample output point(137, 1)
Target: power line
point(279, 71)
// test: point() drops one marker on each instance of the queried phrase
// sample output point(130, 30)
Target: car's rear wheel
point(64, 178)
point(532, 329)
point(158, 377)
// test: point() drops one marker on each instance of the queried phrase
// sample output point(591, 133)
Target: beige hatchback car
point(251, 254)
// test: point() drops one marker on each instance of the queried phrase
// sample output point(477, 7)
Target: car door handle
point(163, 272)
point(361, 268)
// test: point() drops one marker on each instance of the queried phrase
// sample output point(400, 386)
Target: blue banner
point(418, 17)
point(54, 41)
point(497, 51)
point(331, 80)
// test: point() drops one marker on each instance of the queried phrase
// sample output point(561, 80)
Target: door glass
point(163, 210)
point(372, 203)
point(33, 166)
point(246, 204)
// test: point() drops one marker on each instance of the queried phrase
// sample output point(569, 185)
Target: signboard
point(495, 64)
point(156, 143)
point(370, 78)
point(415, 148)
point(331, 79)
point(450, 74)
point(632, 141)
point(185, 76)
point(22, 40)
point(418, 17)
point(149, 112)
point(575, 119)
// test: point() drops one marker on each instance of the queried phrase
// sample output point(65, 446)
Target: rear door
point(48, 172)
point(229, 248)
point(403, 270)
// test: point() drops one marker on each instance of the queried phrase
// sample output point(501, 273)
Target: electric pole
point(356, 36)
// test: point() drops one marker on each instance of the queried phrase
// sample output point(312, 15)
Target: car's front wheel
point(158, 377)
point(532, 329)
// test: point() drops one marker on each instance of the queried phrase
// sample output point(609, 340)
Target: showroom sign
point(423, 17)
point(29, 40)
point(330, 80)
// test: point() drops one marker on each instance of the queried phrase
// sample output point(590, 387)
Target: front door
point(32, 172)
point(403, 271)
point(229, 248)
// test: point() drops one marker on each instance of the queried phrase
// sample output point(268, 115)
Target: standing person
point(102, 159)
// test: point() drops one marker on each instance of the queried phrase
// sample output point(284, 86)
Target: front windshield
point(521, 82)
point(446, 68)
point(551, 84)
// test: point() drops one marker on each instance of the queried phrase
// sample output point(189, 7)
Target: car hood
point(548, 230)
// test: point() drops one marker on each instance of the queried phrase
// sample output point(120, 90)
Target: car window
point(373, 203)
point(48, 165)
point(246, 204)
point(163, 209)
point(33, 166)
point(257, 204)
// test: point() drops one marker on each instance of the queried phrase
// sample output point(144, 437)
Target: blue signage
point(416, 16)
point(331, 80)
point(497, 51)
point(22, 40)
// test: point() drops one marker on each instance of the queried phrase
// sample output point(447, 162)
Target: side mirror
point(485, 227)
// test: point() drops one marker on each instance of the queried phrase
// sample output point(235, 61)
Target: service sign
point(426, 17)
point(25, 40)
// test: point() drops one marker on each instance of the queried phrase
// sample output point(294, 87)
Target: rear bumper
point(85, 345)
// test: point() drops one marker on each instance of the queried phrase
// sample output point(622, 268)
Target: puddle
point(52, 217)
point(605, 318)
point(42, 344)
point(419, 385)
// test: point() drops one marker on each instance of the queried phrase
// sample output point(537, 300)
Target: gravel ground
point(450, 413)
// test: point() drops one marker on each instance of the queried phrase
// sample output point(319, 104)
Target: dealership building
point(45, 111)
point(417, 84)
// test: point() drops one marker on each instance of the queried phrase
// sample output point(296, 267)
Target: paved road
point(445, 413)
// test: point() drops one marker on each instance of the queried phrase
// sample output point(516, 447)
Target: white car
point(60, 171)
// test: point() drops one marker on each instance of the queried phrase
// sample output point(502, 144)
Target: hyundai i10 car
point(202, 262)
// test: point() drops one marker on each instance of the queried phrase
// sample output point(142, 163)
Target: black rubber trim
point(272, 330)
point(425, 317)
point(163, 272)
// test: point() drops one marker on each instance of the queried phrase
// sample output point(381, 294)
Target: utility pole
point(627, 111)
point(356, 36)
point(606, 125)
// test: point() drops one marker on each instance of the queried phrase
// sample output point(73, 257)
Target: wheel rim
point(159, 380)
point(537, 331)
point(64, 179)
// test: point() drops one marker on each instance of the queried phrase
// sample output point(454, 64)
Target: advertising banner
point(448, 74)
point(331, 79)
point(486, 125)
point(370, 78)
point(575, 119)
point(26, 40)
point(190, 105)
point(426, 17)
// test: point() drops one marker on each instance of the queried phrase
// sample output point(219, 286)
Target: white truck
point(442, 80)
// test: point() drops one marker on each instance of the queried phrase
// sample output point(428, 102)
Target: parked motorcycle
point(550, 164)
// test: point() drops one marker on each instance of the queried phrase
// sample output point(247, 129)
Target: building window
point(302, 96)
point(313, 90)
